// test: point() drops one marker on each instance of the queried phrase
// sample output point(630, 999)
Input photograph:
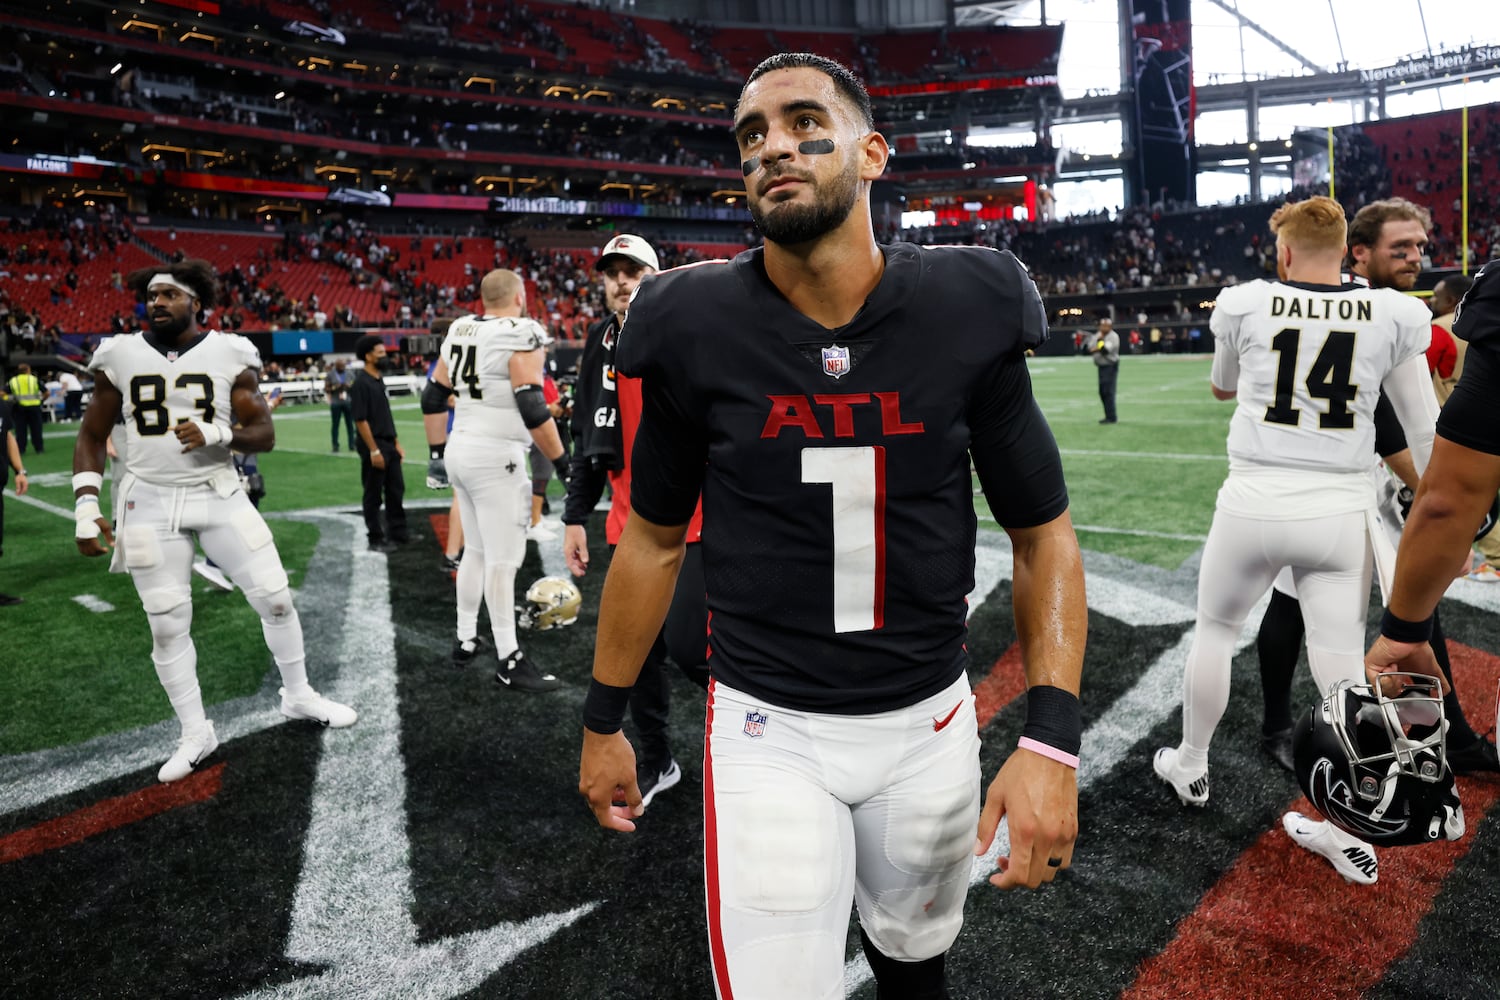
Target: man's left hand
point(606, 778)
point(1388, 655)
point(1039, 799)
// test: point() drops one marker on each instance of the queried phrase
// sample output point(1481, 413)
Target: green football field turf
point(1142, 489)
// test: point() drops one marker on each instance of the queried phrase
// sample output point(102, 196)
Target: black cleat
point(653, 778)
point(516, 671)
point(1278, 746)
point(464, 652)
point(1478, 757)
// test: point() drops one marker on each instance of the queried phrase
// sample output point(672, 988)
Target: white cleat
point(315, 708)
point(196, 743)
point(1191, 787)
point(1351, 857)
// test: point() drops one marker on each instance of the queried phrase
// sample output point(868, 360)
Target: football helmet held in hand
point(1377, 766)
point(551, 602)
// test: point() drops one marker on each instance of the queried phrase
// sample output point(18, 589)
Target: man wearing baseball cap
point(605, 417)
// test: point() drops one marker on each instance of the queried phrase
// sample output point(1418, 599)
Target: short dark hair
point(364, 345)
point(1456, 285)
point(847, 83)
point(199, 275)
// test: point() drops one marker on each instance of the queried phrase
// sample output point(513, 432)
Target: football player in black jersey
point(826, 394)
point(1456, 491)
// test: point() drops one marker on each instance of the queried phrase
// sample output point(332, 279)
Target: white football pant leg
point(1234, 572)
point(778, 857)
point(1335, 596)
point(494, 500)
point(160, 564)
point(235, 536)
point(915, 838)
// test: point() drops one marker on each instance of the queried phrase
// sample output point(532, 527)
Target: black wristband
point(436, 451)
point(1402, 630)
point(1054, 717)
point(561, 465)
point(604, 707)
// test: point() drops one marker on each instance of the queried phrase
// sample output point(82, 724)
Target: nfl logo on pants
point(755, 724)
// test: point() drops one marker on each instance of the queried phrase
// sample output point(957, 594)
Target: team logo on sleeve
point(836, 361)
point(755, 724)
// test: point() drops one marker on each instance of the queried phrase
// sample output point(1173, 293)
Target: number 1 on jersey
point(857, 476)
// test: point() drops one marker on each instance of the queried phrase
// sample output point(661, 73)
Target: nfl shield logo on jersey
point(755, 724)
point(836, 361)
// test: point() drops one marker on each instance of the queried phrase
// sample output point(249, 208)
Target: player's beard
point(790, 223)
point(173, 328)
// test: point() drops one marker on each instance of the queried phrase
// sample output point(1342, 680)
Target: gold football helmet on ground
point(551, 602)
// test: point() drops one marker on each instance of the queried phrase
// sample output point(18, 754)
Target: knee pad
point(170, 623)
point(780, 865)
point(273, 607)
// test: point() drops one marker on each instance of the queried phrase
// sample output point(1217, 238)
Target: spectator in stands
point(1105, 348)
point(336, 389)
point(380, 452)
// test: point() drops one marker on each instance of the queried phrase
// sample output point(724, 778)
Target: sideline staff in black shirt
point(380, 454)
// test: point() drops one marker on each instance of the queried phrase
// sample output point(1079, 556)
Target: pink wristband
point(1035, 746)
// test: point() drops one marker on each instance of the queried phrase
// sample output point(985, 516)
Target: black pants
point(684, 639)
point(345, 409)
point(1108, 376)
point(73, 404)
point(383, 485)
point(28, 417)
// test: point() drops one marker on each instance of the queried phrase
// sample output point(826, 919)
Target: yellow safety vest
point(26, 389)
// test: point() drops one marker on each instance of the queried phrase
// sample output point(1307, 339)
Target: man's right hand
point(576, 549)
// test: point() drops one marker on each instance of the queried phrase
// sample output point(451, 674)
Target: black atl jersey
point(838, 514)
point(1469, 417)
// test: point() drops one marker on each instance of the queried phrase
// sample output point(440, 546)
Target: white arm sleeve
point(1225, 375)
point(1409, 388)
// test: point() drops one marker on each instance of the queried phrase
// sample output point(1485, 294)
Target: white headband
point(166, 279)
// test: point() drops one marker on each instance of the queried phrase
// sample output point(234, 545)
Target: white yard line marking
point(94, 604)
point(356, 847)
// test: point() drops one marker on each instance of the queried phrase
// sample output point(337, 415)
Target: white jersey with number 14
point(1307, 363)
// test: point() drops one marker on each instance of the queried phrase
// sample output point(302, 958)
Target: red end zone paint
point(439, 524)
point(110, 815)
point(1005, 683)
point(1279, 922)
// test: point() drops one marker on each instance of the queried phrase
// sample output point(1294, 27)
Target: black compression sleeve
point(585, 487)
point(533, 405)
point(1390, 437)
point(435, 397)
